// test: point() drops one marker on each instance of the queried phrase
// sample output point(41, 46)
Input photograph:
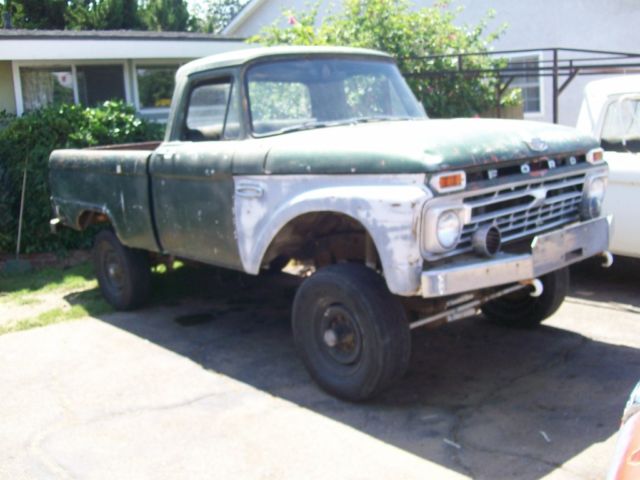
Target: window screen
point(528, 82)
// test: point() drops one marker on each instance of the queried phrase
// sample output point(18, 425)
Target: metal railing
point(563, 65)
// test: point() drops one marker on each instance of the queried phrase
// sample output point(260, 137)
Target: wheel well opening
point(90, 217)
point(322, 238)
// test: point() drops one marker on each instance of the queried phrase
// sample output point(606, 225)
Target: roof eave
point(241, 17)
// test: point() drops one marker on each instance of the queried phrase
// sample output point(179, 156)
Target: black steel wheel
point(521, 310)
point(350, 331)
point(124, 274)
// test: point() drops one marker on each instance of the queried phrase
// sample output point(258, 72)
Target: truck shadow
point(622, 282)
point(485, 401)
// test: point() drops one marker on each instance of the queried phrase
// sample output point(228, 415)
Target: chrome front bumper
point(549, 252)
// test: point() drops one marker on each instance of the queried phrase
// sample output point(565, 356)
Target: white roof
point(54, 45)
point(239, 57)
point(598, 93)
point(614, 86)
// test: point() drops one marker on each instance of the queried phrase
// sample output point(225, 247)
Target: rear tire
point(350, 331)
point(521, 310)
point(124, 274)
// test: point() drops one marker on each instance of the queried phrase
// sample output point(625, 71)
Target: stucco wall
point(7, 98)
point(585, 24)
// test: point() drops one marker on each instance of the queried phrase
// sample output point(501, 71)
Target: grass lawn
point(55, 294)
point(47, 296)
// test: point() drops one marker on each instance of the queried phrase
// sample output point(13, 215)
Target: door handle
point(249, 190)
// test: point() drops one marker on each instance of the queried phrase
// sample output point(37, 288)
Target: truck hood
point(416, 146)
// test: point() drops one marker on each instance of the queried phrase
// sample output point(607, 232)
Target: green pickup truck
point(323, 157)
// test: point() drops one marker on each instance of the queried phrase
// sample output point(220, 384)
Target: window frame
point(611, 99)
point(72, 65)
point(136, 89)
point(179, 121)
point(244, 76)
point(539, 57)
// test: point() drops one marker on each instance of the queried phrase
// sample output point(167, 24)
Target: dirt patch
point(42, 260)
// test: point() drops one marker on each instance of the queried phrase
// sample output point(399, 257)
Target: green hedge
point(31, 138)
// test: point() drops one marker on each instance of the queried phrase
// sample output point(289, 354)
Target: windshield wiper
point(336, 123)
point(303, 126)
point(378, 118)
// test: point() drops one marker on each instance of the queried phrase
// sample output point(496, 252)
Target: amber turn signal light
point(595, 156)
point(448, 182)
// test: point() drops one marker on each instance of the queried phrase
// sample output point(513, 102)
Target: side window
point(212, 112)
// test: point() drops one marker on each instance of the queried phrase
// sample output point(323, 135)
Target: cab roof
point(241, 57)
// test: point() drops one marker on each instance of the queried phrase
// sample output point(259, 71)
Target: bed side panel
point(112, 182)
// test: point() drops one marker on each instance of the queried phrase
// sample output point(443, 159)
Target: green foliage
point(217, 14)
point(28, 140)
point(103, 15)
point(158, 15)
point(40, 14)
point(408, 33)
point(167, 15)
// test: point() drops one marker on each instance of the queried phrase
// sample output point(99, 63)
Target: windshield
point(621, 126)
point(298, 94)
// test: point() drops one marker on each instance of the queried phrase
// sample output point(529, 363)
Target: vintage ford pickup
point(323, 156)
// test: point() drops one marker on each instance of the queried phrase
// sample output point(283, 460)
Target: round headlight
point(593, 196)
point(448, 229)
point(596, 189)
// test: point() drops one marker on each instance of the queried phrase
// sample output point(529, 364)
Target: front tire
point(124, 274)
point(350, 331)
point(521, 310)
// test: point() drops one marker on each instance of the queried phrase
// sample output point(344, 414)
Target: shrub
point(28, 140)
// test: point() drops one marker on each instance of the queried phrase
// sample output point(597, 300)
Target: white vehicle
point(611, 112)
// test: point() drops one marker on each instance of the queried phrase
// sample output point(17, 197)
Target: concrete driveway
point(213, 389)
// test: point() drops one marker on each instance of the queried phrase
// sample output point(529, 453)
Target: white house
point(40, 67)
point(582, 24)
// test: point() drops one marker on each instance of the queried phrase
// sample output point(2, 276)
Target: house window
point(155, 85)
point(46, 86)
point(93, 84)
point(98, 83)
point(528, 82)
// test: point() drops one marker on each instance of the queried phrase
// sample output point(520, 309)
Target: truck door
point(191, 181)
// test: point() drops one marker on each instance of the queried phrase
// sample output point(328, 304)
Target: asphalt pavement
point(212, 388)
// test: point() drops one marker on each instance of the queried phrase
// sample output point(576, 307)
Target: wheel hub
point(113, 269)
point(341, 337)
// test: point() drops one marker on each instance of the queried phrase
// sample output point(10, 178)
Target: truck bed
point(112, 181)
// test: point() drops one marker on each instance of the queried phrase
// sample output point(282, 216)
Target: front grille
point(515, 168)
point(523, 210)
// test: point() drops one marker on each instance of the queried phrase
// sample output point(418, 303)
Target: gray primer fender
point(388, 206)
